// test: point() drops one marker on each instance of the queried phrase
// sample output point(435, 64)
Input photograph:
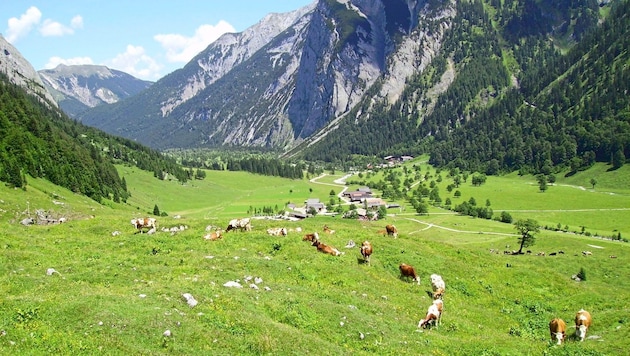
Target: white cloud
point(77, 22)
point(180, 48)
point(55, 61)
point(54, 28)
point(22, 26)
point(136, 62)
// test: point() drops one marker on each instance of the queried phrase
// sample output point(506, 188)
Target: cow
point(321, 247)
point(213, 236)
point(438, 286)
point(557, 330)
point(391, 230)
point(312, 237)
point(366, 251)
point(582, 323)
point(434, 314)
point(408, 271)
point(277, 231)
point(141, 223)
point(241, 224)
point(328, 230)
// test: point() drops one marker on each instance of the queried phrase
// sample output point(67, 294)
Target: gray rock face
point(21, 72)
point(79, 87)
point(287, 79)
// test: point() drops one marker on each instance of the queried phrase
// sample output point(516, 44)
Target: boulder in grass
point(190, 300)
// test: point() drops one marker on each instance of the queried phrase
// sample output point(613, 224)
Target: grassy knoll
point(119, 294)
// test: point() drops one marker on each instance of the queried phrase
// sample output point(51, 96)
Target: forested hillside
point(534, 85)
point(42, 142)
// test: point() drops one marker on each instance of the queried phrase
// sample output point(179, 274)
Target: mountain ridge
point(77, 88)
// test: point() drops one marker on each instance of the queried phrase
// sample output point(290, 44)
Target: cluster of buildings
point(362, 198)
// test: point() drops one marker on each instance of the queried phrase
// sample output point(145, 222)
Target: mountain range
point(484, 84)
point(78, 88)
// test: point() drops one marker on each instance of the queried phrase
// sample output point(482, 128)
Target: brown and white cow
point(434, 314)
point(322, 247)
point(213, 236)
point(408, 271)
point(438, 286)
point(142, 223)
point(557, 330)
point(391, 230)
point(582, 323)
point(328, 230)
point(366, 250)
point(277, 231)
point(312, 237)
point(240, 224)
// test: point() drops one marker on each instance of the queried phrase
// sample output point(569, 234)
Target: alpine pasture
point(129, 293)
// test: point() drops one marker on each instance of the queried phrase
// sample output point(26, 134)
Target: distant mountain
point(477, 84)
point(38, 140)
point(79, 87)
point(284, 79)
point(20, 72)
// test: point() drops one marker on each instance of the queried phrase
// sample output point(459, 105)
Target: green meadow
point(118, 294)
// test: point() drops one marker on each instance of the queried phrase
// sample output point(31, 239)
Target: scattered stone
point(167, 333)
point(232, 284)
point(190, 299)
point(142, 295)
point(52, 271)
point(116, 233)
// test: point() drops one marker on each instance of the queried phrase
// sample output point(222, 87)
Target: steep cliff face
point(80, 87)
point(283, 80)
point(21, 72)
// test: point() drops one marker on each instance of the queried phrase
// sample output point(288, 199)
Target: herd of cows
point(557, 326)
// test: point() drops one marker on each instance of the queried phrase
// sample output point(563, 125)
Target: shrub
point(582, 274)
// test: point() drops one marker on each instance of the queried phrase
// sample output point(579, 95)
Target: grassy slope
point(95, 305)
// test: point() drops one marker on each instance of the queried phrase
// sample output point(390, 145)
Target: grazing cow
point(438, 285)
point(582, 323)
point(557, 330)
point(213, 236)
point(321, 247)
point(391, 230)
point(277, 231)
point(408, 271)
point(312, 237)
point(366, 251)
point(434, 314)
point(241, 224)
point(328, 230)
point(141, 223)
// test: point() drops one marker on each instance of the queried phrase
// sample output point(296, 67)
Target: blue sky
point(145, 38)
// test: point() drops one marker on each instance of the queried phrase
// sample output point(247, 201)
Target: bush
point(582, 274)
